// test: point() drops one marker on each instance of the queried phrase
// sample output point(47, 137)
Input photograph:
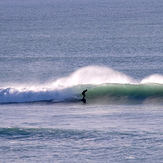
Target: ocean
point(51, 51)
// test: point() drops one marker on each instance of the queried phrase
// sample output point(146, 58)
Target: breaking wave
point(103, 84)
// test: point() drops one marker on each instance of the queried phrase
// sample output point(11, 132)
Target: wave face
point(103, 84)
point(127, 93)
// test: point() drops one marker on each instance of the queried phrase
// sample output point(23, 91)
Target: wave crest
point(155, 78)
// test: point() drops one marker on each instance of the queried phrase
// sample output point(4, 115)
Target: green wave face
point(131, 93)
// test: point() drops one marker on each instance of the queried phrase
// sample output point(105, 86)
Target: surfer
point(83, 93)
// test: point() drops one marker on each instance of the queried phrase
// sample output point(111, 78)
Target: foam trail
point(94, 75)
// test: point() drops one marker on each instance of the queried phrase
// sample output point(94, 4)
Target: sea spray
point(155, 78)
point(94, 75)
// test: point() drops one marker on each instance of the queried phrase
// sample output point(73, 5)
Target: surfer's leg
point(84, 100)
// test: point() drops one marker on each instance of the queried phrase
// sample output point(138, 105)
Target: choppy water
point(50, 51)
point(75, 133)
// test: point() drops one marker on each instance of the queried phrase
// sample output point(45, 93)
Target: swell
point(21, 133)
point(43, 133)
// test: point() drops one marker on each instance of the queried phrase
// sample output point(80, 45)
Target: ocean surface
point(50, 51)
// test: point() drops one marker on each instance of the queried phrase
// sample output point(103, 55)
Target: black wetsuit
point(83, 93)
point(83, 99)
